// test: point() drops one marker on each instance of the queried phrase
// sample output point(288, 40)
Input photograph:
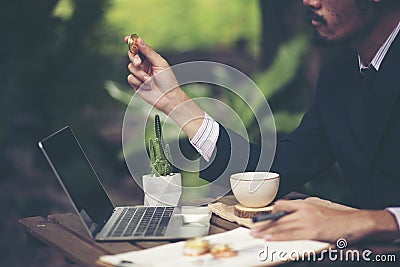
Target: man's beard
point(320, 40)
point(363, 7)
point(323, 41)
point(317, 37)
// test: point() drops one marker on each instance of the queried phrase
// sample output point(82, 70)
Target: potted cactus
point(161, 187)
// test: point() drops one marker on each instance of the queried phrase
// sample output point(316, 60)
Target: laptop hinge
point(100, 226)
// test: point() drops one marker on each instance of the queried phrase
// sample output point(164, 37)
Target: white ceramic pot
point(162, 190)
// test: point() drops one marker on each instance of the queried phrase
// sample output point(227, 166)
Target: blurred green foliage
point(64, 9)
point(49, 67)
point(186, 25)
point(54, 67)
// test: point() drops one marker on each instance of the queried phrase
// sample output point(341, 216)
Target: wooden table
point(66, 233)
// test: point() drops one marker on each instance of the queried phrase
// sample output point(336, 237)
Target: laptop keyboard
point(142, 221)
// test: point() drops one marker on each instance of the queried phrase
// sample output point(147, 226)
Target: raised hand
point(155, 82)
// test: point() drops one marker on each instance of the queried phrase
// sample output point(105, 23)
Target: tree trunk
point(280, 21)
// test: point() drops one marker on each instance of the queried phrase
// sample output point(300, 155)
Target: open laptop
point(102, 219)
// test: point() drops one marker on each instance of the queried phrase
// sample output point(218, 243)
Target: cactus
point(159, 155)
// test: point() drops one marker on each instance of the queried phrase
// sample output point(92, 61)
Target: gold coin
point(132, 44)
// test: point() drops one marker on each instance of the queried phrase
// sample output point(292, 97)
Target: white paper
point(249, 249)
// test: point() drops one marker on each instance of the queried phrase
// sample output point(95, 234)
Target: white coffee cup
point(255, 189)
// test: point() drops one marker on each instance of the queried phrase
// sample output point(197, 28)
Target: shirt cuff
point(396, 213)
point(206, 137)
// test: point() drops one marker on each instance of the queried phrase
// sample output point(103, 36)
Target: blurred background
point(63, 62)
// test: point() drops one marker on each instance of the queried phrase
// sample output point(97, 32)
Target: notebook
point(251, 252)
point(101, 218)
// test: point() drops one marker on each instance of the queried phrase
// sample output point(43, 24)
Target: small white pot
point(162, 190)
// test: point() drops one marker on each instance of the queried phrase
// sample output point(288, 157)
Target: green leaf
point(286, 122)
point(117, 93)
point(284, 67)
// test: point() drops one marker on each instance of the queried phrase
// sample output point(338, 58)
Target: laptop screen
point(77, 177)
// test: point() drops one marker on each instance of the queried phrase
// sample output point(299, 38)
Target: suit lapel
point(352, 95)
point(382, 99)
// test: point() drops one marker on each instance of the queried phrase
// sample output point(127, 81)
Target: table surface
point(66, 233)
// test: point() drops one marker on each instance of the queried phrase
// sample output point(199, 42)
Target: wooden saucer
point(245, 212)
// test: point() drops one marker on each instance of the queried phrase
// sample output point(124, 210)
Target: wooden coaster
point(245, 212)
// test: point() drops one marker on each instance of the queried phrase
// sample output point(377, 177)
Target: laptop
point(102, 219)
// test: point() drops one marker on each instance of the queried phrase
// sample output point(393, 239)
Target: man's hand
point(310, 221)
point(155, 82)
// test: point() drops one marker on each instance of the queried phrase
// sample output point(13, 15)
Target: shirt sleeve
point(206, 137)
point(396, 213)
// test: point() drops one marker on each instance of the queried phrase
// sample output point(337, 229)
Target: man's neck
point(369, 46)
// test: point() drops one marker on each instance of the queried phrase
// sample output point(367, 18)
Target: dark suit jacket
point(345, 124)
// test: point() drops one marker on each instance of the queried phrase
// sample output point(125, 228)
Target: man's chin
point(322, 41)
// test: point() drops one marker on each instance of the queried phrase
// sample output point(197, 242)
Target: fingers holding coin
point(133, 43)
point(138, 77)
point(135, 55)
point(135, 59)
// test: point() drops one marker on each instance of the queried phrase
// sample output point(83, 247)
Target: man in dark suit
point(353, 121)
